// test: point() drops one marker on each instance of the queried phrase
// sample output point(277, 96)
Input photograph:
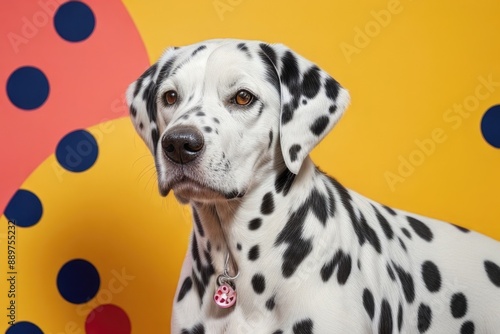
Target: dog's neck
point(220, 229)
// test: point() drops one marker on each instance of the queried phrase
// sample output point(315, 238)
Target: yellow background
point(403, 80)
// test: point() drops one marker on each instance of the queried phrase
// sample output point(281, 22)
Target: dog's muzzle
point(182, 144)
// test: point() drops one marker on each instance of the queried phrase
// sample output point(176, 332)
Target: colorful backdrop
point(95, 249)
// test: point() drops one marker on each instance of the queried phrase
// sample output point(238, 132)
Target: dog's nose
point(182, 144)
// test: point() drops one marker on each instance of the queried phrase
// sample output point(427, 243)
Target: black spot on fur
point(385, 323)
point(400, 317)
point(284, 181)
point(258, 283)
point(261, 108)
point(206, 270)
point(253, 253)
point(311, 82)
point(402, 244)
point(254, 224)
point(149, 95)
point(270, 139)
point(406, 232)
point(388, 209)
point(148, 73)
point(332, 88)
point(294, 149)
point(424, 318)
point(269, 52)
point(185, 288)
point(216, 120)
point(166, 69)
point(386, 227)
point(270, 303)
point(369, 303)
point(369, 234)
point(468, 328)
point(332, 109)
point(207, 129)
point(286, 113)
point(493, 272)
point(422, 230)
point(200, 114)
point(391, 272)
point(195, 254)
point(198, 224)
point(290, 71)
point(463, 229)
point(238, 246)
point(407, 284)
point(344, 263)
point(318, 205)
point(133, 112)
point(242, 47)
point(155, 137)
point(267, 205)
point(279, 331)
point(332, 207)
point(200, 288)
point(137, 88)
point(198, 329)
point(303, 327)
point(458, 305)
point(268, 57)
point(363, 231)
point(431, 276)
point(319, 125)
point(201, 47)
point(141, 126)
point(298, 248)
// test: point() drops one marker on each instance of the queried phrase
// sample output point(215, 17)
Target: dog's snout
point(182, 144)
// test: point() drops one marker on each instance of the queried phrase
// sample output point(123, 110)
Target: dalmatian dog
point(278, 246)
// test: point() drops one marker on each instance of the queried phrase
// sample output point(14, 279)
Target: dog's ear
point(311, 103)
point(142, 97)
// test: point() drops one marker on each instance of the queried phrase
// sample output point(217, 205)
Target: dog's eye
point(170, 97)
point(243, 97)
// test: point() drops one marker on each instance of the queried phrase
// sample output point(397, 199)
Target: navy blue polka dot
point(490, 126)
point(78, 281)
point(74, 21)
point(24, 208)
point(24, 327)
point(77, 151)
point(27, 88)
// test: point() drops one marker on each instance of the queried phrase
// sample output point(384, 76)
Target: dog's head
point(220, 115)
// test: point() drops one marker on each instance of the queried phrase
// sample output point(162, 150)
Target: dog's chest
point(302, 303)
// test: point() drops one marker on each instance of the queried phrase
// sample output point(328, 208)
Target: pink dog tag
point(225, 296)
